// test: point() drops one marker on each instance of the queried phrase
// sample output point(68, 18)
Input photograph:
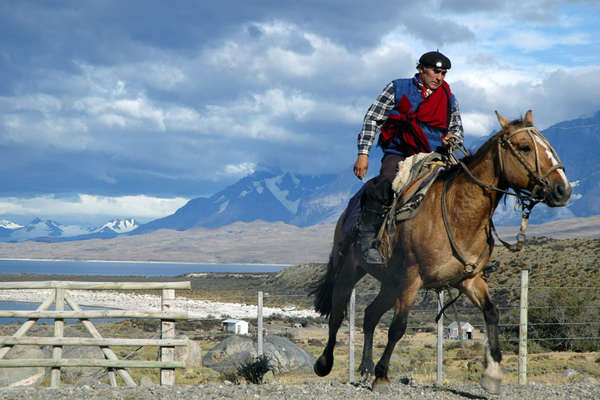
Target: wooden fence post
point(523, 327)
point(61, 297)
point(167, 375)
point(108, 353)
point(59, 327)
point(351, 336)
point(440, 340)
point(259, 323)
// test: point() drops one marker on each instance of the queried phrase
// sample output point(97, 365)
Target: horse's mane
point(517, 123)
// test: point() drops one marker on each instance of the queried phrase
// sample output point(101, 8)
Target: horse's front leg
point(477, 290)
point(407, 294)
point(383, 302)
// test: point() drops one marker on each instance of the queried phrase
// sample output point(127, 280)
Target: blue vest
point(409, 88)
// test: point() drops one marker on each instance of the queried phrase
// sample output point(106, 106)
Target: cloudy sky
point(129, 108)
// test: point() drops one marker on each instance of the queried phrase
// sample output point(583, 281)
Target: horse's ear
point(529, 117)
point(503, 121)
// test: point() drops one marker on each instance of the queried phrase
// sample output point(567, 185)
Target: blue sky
point(130, 108)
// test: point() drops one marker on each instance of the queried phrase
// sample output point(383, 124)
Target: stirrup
point(373, 257)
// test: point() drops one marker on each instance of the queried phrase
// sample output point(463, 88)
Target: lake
point(27, 306)
point(126, 268)
point(113, 268)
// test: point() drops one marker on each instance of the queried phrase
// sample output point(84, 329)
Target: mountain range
point(306, 200)
point(52, 231)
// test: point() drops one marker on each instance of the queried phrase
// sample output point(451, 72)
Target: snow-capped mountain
point(7, 228)
point(9, 225)
point(118, 226)
point(268, 195)
point(52, 231)
point(40, 228)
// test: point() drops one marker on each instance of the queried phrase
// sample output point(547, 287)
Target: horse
point(443, 246)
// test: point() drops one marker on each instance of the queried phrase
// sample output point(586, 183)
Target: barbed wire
point(542, 339)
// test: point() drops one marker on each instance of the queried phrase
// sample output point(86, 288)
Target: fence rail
point(60, 297)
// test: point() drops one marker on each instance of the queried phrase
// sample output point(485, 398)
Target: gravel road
point(586, 389)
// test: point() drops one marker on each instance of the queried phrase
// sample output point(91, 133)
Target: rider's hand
point(449, 140)
point(361, 166)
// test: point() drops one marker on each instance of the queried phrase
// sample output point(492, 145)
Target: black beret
point(435, 59)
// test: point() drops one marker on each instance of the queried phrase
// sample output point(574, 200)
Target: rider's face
point(432, 78)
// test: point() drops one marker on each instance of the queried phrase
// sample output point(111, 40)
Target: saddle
point(415, 176)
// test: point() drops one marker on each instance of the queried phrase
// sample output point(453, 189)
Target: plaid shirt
point(383, 106)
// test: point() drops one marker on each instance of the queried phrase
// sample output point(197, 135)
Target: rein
point(468, 267)
point(526, 199)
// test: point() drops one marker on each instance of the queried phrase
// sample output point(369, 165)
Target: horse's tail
point(322, 288)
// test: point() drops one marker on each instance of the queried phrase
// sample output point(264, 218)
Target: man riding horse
point(415, 115)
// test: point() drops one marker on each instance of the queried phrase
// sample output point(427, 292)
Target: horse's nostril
point(562, 191)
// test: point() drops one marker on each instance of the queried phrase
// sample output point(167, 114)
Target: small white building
point(236, 326)
point(451, 331)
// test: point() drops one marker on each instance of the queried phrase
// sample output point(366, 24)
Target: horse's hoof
point(366, 369)
point(491, 385)
point(381, 385)
point(322, 367)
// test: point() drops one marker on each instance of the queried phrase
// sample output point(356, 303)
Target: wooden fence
point(61, 295)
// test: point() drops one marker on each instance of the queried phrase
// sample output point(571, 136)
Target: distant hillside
point(551, 263)
point(242, 242)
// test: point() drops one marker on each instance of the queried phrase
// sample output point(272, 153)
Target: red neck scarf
point(433, 111)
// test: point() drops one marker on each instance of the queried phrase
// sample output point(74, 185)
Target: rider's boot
point(370, 219)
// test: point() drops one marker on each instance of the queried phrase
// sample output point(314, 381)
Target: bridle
point(542, 184)
point(527, 199)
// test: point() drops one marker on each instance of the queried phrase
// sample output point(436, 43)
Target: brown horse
point(435, 251)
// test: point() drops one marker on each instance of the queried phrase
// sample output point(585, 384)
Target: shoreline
point(145, 262)
point(196, 309)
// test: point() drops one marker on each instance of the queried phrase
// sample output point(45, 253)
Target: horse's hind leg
point(406, 298)
point(341, 292)
point(383, 302)
point(477, 290)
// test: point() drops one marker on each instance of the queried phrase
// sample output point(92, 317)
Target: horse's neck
point(477, 204)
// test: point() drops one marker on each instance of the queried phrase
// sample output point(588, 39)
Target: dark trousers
point(378, 191)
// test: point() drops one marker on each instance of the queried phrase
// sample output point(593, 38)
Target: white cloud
point(531, 40)
point(478, 124)
point(140, 206)
point(239, 170)
point(134, 112)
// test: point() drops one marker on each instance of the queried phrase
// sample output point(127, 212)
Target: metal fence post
point(259, 323)
point(167, 375)
point(440, 339)
point(351, 338)
point(523, 328)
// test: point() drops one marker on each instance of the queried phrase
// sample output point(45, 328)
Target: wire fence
point(560, 318)
point(577, 328)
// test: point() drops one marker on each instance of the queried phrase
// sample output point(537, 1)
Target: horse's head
point(528, 162)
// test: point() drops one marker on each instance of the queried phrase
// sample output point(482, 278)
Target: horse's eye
point(525, 149)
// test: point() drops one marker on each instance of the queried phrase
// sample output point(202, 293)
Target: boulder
point(285, 356)
point(190, 354)
point(23, 376)
point(75, 375)
point(146, 381)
